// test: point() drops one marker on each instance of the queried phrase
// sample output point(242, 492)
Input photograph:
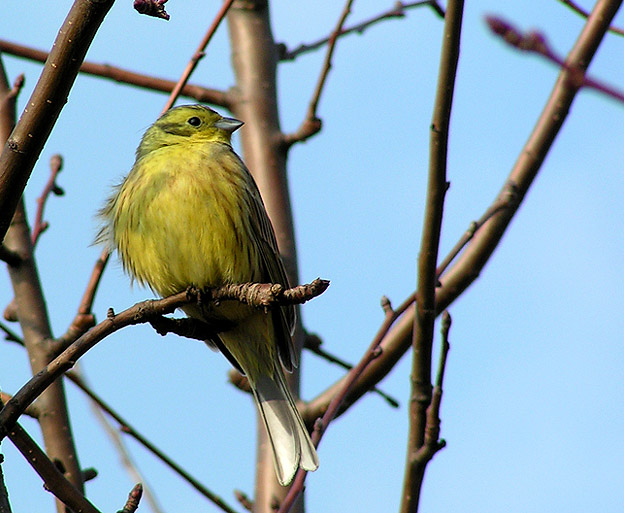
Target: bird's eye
point(194, 121)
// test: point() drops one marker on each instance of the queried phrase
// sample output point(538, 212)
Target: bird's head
point(188, 123)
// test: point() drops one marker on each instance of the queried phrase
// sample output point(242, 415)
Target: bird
point(189, 214)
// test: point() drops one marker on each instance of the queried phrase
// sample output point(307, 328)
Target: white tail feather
point(288, 436)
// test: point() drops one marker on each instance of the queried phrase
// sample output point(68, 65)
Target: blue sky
point(532, 411)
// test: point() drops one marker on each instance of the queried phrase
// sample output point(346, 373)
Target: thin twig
point(535, 42)
point(198, 55)
point(579, 10)
point(124, 76)
point(313, 343)
point(78, 378)
point(335, 404)
point(504, 202)
point(311, 123)
point(56, 165)
point(84, 319)
point(397, 11)
point(432, 441)
point(424, 321)
point(53, 479)
point(127, 428)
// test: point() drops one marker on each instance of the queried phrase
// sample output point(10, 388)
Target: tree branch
point(124, 76)
point(56, 164)
point(198, 55)
point(53, 478)
point(23, 147)
point(420, 396)
point(397, 11)
point(311, 123)
point(535, 42)
point(577, 9)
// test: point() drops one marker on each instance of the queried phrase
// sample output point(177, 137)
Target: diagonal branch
point(124, 76)
point(535, 42)
point(397, 11)
point(23, 147)
point(198, 55)
point(312, 124)
point(579, 10)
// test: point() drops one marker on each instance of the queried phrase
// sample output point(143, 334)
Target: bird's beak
point(229, 124)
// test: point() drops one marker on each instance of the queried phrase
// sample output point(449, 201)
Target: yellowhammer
point(190, 214)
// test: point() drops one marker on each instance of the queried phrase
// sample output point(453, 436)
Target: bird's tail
point(288, 436)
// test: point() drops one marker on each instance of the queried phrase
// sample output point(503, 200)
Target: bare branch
point(124, 76)
point(579, 10)
point(127, 428)
point(437, 185)
point(321, 424)
point(53, 478)
point(311, 123)
point(23, 147)
point(313, 343)
point(535, 42)
point(397, 11)
point(56, 165)
point(198, 55)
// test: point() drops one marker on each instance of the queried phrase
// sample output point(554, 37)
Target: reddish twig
point(127, 428)
point(40, 226)
point(84, 319)
point(397, 11)
point(312, 124)
point(313, 343)
point(124, 76)
point(53, 479)
point(535, 42)
point(585, 14)
point(198, 55)
point(321, 425)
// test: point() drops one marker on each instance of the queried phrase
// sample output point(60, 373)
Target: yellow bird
point(190, 214)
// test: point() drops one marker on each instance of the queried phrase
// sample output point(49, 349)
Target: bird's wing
point(273, 272)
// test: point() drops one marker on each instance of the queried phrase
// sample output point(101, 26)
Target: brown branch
point(126, 459)
point(23, 147)
point(198, 55)
point(321, 424)
point(142, 312)
point(535, 42)
point(477, 253)
point(421, 392)
point(127, 428)
point(124, 76)
point(313, 343)
point(29, 306)
point(245, 501)
point(53, 478)
point(432, 442)
point(312, 124)
point(84, 319)
point(505, 201)
point(56, 165)
point(579, 10)
point(134, 497)
point(397, 11)
point(5, 505)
